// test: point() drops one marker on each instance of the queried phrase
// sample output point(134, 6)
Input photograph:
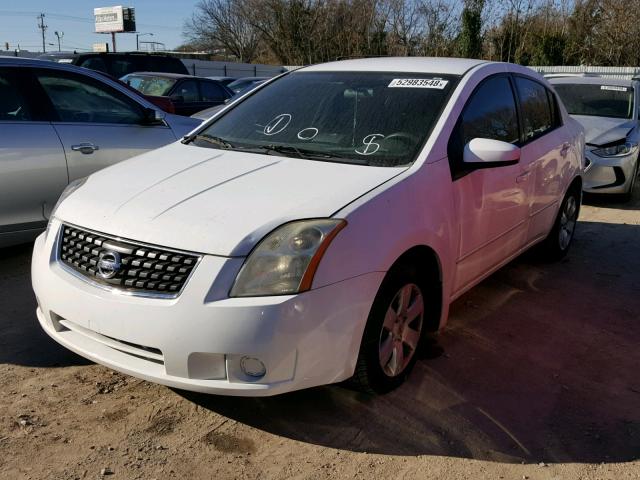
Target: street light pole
point(140, 35)
point(59, 35)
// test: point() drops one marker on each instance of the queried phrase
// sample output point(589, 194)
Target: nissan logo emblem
point(109, 264)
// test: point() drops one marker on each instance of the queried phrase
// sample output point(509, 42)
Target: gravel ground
point(536, 377)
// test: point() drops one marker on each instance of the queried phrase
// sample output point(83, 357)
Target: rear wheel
point(393, 333)
point(557, 243)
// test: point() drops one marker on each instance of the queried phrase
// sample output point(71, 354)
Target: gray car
point(608, 110)
point(60, 123)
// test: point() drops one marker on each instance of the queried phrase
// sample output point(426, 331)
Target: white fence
point(625, 73)
point(206, 68)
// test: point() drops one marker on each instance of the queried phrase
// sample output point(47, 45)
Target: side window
point(188, 90)
point(95, 63)
point(76, 98)
point(13, 106)
point(211, 92)
point(537, 118)
point(121, 66)
point(491, 113)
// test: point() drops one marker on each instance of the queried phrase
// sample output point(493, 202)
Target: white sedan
point(316, 230)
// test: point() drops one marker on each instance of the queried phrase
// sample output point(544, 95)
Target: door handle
point(86, 148)
point(522, 177)
point(565, 149)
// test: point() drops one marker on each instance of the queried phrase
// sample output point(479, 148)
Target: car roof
point(590, 81)
point(6, 60)
point(453, 66)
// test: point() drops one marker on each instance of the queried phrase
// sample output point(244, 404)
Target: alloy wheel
point(401, 330)
point(568, 220)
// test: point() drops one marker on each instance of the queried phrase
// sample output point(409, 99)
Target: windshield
point(615, 101)
point(149, 85)
point(380, 119)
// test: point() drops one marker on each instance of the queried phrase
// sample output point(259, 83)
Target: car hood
point(604, 130)
point(213, 201)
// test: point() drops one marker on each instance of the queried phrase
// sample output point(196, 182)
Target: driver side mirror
point(153, 116)
point(484, 153)
point(177, 98)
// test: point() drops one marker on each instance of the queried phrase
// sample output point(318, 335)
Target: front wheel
point(628, 196)
point(393, 334)
point(557, 243)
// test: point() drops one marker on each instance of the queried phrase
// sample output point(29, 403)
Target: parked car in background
point(187, 93)
point(119, 64)
point(210, 112)
point(608, 110)
point(224, 80)
point(164, 103)
point(316, 231)
point(59, 123)
point(245, 83)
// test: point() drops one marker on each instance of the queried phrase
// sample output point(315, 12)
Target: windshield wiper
point(221, 142)
point(300, 152)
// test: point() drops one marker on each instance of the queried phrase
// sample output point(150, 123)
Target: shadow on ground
point(22, 341)
point(540, 363)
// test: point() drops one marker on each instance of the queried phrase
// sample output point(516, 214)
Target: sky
point(18, 23)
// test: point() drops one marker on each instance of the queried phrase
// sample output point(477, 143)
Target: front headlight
point(72, 187)
point(617, 150)
point(285, 261)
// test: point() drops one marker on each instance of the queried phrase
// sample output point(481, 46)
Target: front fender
point(415, 209)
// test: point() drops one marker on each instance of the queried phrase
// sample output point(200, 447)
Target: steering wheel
point(407, 139)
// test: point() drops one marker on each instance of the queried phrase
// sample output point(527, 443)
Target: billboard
point(115, 19)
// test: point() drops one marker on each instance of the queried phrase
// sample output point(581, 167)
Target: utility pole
point(59, 35)
point(42, 27)
point(113, 40)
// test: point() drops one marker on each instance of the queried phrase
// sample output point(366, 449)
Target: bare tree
point(223, 23)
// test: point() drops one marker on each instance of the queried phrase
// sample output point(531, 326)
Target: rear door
point(33, 171)
point(544, 153)
point(97, 124)
point(186, 97)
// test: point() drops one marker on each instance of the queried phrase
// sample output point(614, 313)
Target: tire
point(394, 332)
point(557, 244)
point(626, 197)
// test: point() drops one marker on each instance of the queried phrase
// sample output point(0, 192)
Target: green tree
point(470, 38)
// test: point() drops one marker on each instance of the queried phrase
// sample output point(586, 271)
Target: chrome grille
point(132, 267)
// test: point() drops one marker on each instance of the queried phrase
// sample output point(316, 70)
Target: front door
point(492, 203)
point(97, 125)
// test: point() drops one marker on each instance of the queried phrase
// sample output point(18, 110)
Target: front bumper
point(609, 174)
point(197, 341)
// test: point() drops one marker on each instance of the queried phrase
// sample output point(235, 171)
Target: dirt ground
point(536, 377)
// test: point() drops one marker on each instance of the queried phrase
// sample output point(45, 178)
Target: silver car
point(608, 111)
point(59, 123)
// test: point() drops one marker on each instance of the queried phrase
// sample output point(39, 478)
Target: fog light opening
point(252, 367)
